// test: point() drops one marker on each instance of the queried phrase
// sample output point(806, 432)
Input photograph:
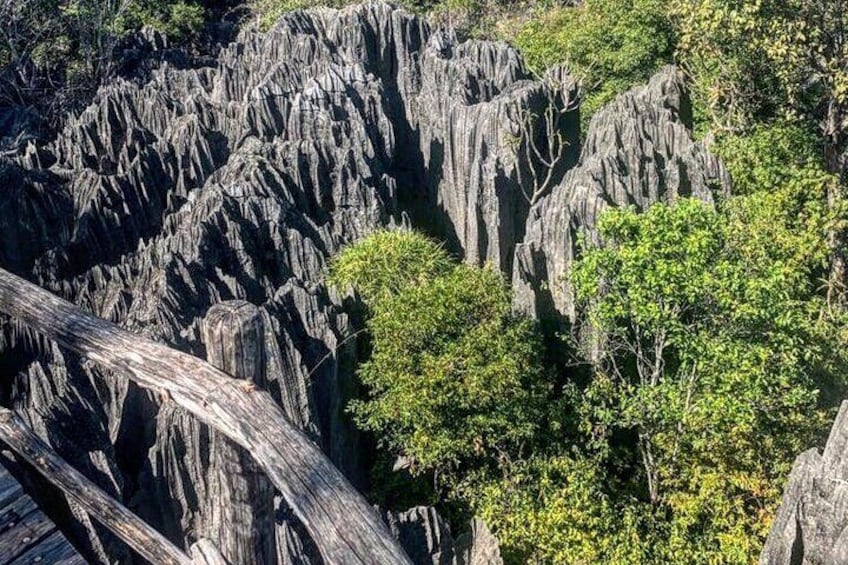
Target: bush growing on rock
point(454, 379)
point(386, 263)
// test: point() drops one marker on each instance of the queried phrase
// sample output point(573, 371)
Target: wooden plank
point(7, 480)
point(345, 528)
point(12, 513)
point(139, 535)
point(24, 528)
point(10, 488)
point(54, 549)
point(27, 533)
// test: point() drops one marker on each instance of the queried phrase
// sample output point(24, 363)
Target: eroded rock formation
point(428, 539)
point(811, 526)
point(638, 150)
point(188, 188)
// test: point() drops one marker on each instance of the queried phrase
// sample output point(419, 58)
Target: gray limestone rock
point(811, 525)
point(188, 188)
point(638, 150)
point(192, 187)
point(428, 540)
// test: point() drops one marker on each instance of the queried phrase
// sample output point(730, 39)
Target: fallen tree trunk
point(342, 524)
point(136, 533)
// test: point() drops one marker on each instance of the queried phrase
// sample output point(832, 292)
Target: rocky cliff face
point(811, 526)
point(638, 150)
point(236, 181)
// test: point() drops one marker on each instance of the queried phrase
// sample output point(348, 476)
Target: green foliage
point(716, 359)
point(454, 378)
point(177, 18)
point(32, 34)
point(611, 44)
point(474, 18)
point(387, 263)
point(713, 345)
point(732, 78)
point(760, 59)
point(557, 510)
point(269, 11)
point(772, 156)
point(54, 54)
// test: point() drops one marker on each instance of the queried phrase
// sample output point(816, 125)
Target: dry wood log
point(139, 535)
point(345, 528)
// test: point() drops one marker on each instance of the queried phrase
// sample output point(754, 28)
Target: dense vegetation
point(456, 380)
point(719, 360)
point(55, 53)
point(711, 338)
point(610, 44)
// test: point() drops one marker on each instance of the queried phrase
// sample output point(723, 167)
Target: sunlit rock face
point(811, 525)
point(638, 150)
point(189, 188)
point(237, 181)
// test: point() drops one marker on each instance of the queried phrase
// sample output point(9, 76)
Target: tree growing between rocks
point(715, 362)
point(756, 61)
point(455, 380)
point(541, 137)
point(716, 349)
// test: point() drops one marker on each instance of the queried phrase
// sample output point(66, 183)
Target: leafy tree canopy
point(761, 59)
point(388, 262)
point(454, 378)
point(611, 44)
point(714, 343)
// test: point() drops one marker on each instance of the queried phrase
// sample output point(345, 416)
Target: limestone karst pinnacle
point(236, 181)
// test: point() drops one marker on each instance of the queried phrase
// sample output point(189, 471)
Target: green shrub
point(269, 11)
point(554, 510)
point(770, 157)
point(611, 44)
point(177, 19)
point(388, 262)
point(454, 378)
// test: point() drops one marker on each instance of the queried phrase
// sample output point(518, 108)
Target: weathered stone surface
point(474, 102)
point(811, 526)
point(186, 188)
point(427, 539)
point(638, 150)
